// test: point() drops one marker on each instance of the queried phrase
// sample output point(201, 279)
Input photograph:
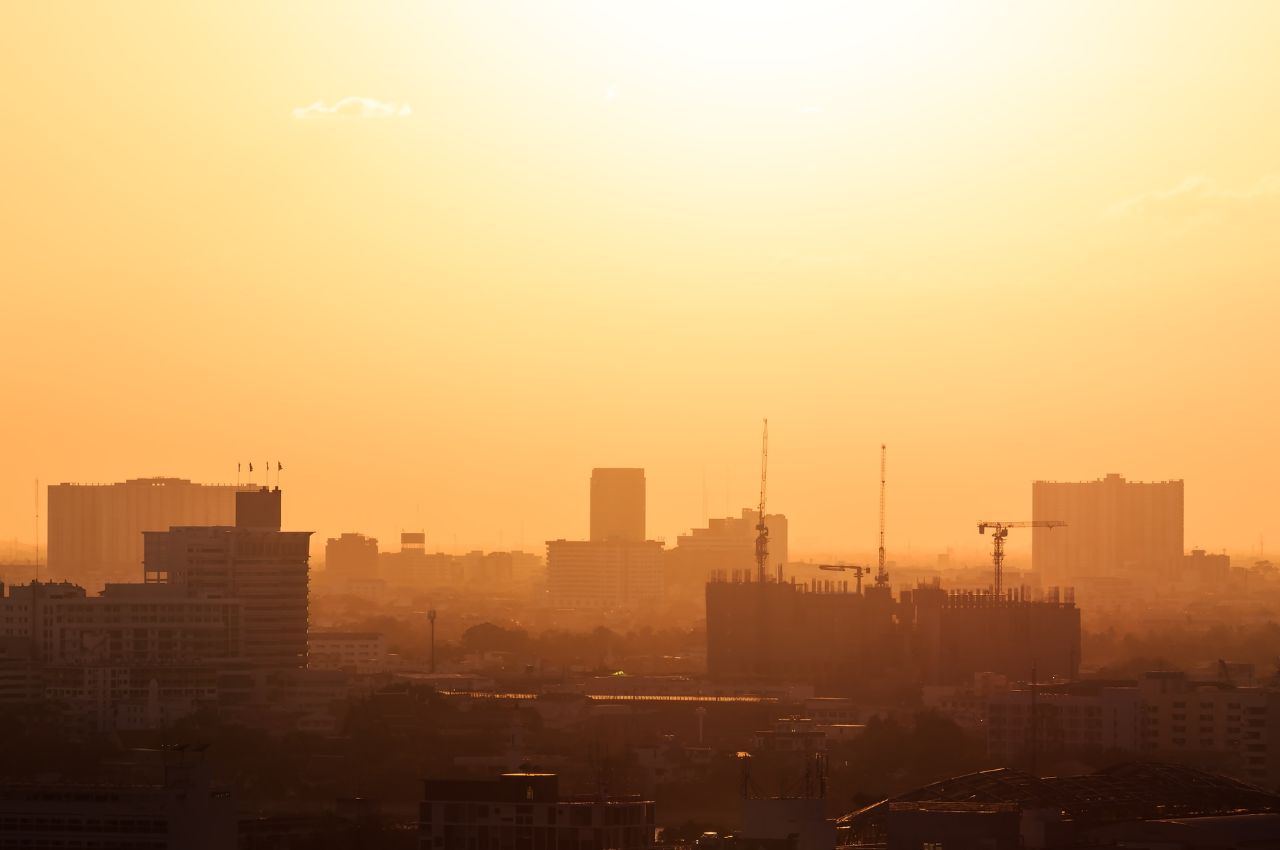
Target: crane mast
point(882, 575)
point(762, 530)
point(999, 531)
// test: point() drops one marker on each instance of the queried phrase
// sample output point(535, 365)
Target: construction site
point(855, 641)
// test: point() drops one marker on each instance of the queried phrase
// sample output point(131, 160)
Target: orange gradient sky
point(1011, 240)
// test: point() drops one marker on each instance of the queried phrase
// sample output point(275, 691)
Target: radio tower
point(882, 575)
point(762, 530)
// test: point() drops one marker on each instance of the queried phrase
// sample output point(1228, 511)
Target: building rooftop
point(1134, 790)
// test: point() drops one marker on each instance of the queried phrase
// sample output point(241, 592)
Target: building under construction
point(850, 642)
point(816, 632)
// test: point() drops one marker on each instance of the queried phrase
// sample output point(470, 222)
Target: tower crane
point(762, 530)
point(999, 531)
point(882, 574)
point(858, 572)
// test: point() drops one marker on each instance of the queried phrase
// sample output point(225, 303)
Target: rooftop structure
point(1062, 810)
point(527, 810)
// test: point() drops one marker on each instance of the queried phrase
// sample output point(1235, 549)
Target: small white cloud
point(1195, 196)
point(353, 107)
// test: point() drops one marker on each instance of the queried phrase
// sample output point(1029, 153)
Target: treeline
point(1119, 654)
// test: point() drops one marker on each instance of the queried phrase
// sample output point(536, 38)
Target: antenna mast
point(762, 530)
point(882, 575)
point(37, 500)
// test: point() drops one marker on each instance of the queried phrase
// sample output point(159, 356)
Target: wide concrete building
point(1114, 528)
point(590, 574)
point(95, 530)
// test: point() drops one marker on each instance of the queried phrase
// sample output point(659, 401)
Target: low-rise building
point(604, 574)
point(356, 652)
point(526, 810)
point(168, 807)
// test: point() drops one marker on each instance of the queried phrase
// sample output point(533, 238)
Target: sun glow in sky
point(442, 259)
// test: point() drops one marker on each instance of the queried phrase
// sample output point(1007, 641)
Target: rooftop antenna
point(882, 575)
point(37, 502)
point(762, 530)
point(705, 510)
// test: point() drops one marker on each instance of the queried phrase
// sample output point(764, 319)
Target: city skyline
point(907, 549)
point(973, 550)
point(732, 425)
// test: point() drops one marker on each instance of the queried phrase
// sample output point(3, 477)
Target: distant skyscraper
point(95, 530)
point(351, 556)
point(726, 545)
point(617, 504)
point(266, 569)
point(1115, 528)
point(617, 567)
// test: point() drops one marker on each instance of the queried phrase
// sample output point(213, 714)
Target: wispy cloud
point(352, 107)
point(1196, 196)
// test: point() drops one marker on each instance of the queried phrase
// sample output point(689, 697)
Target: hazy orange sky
point(1011, 240)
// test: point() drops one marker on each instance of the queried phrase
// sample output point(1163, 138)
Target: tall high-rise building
point(617, 567)
point(95, 530)
point(266, 569)
point(617, 504)
point(1115, 529)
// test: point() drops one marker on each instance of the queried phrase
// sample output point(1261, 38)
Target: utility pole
point(431, 618)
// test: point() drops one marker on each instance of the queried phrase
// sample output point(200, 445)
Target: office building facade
point(254, 562)
point(95, 530)
point(1114, 528)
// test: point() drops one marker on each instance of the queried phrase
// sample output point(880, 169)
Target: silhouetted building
point(818, 633)
point(254, 562)
point(356, 652)
point(525, 810)
point(351, 557)
point(136, 657)
point(617, 505)
point(1065, 720)
point(95, 530)
point(959, 633)
point(1206, 570)
point(725, 545)
point(1114, 528)
point(173, 806)
point(821, 633)
point(617, 567)
point(603, 574)
point(1189, 717)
